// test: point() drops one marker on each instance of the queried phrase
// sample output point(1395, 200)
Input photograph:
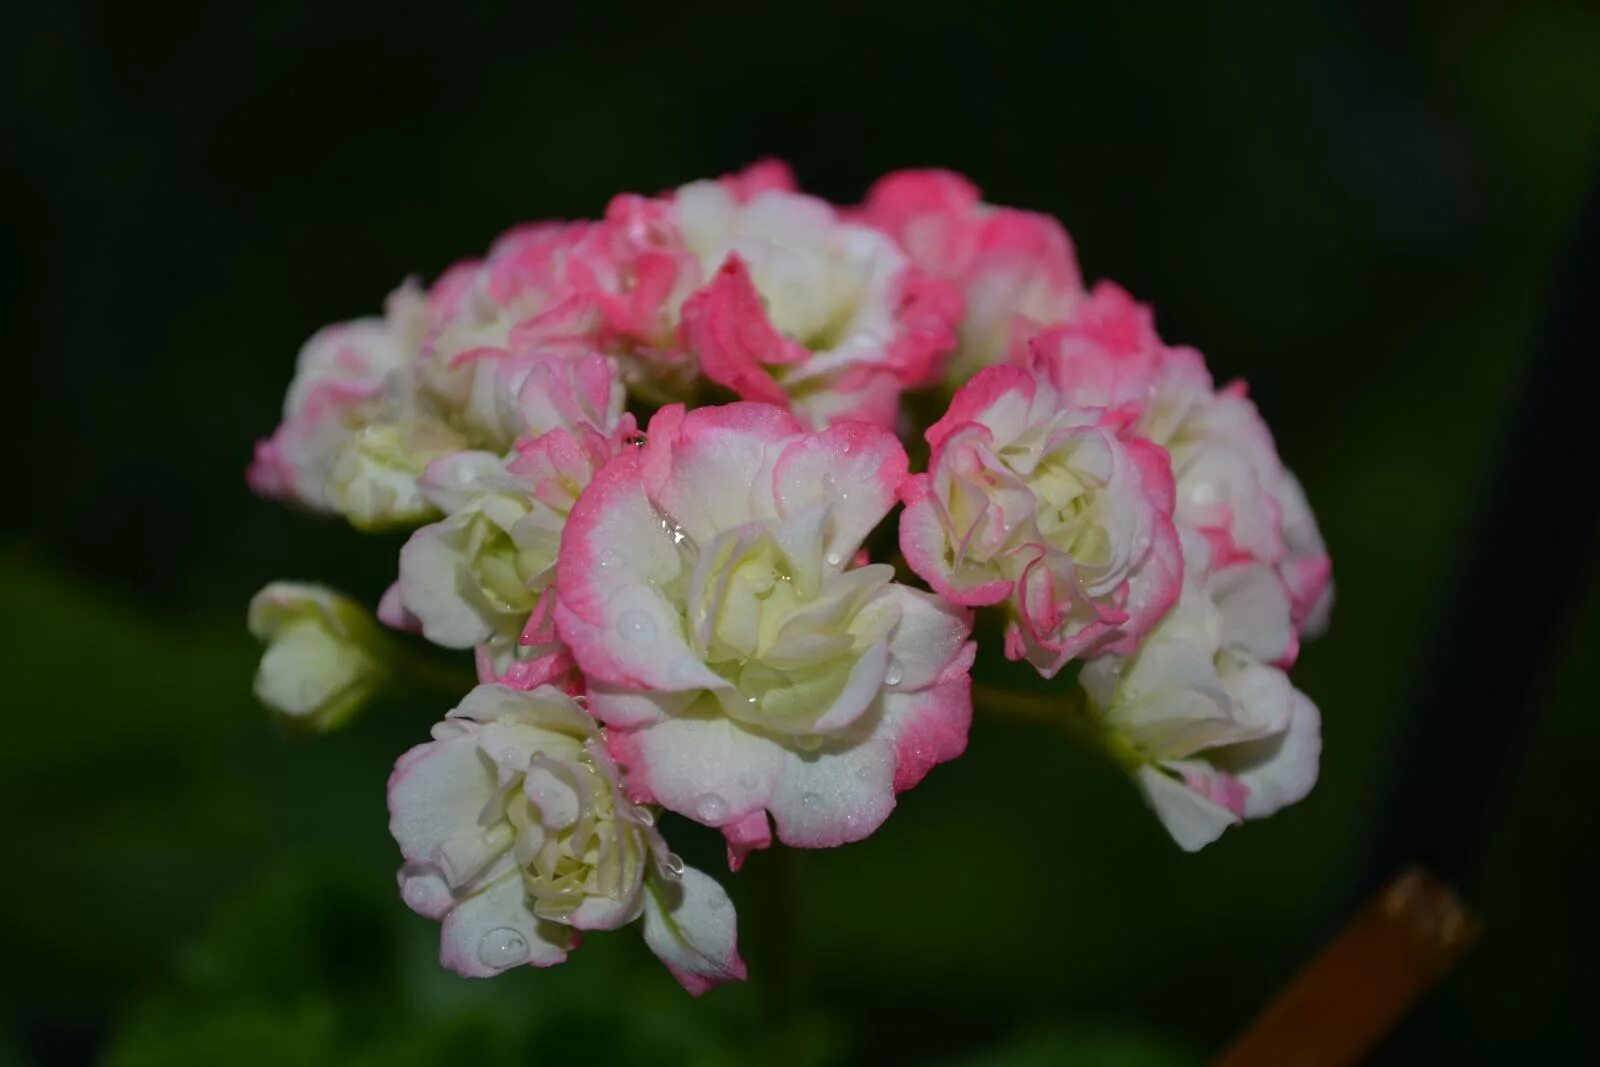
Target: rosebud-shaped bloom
point(353, 440)
point(324, 655)
point(1230, 484)
point(1048, 509)
point(770, 294)
point(527, 295)
point(1015, 269)
point(1211, 733)
point(742, 664)
point(481, 576)
point(516, 833)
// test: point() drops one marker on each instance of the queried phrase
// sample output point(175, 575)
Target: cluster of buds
point(683, 607)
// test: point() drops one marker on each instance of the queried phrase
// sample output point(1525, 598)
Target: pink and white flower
point(1015, 270)
point(1211, 731)
point(483, 575)
point(1230, 485)
point(353, 439)
point(1048, 508)
point(742, 662)
point(516, 835)
point(777, 298)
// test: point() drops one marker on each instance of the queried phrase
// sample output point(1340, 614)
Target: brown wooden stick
point(1346, 999)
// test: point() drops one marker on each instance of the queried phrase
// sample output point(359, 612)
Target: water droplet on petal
point(834, 559)
point(710, 808)
point(717, 901)
point(894, 673)
point(672, 866)
point(644, 816)
point(809, 800)
point(502, 947)
point(636, 626)
point(750, 781)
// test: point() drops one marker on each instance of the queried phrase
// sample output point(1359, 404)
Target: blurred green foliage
point(1356, 207)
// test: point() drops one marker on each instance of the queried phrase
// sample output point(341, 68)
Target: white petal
point(691, 926)
point(1192, 820)
point(436, 793)
point(931, 634)
point(1281, 770)
point(493, 931)
point(1255, 611)
point(830, 797)
point(706, 767)
point(431, 587)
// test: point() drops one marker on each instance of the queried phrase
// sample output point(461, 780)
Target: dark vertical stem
point(782, 964)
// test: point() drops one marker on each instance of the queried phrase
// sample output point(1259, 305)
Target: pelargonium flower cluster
point(648, 462)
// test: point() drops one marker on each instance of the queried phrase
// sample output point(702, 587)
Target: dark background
point(1360, 208)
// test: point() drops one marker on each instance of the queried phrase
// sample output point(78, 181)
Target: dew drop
point(716, 902)
point(672, 866)
point(636, 626)
point(644, 816)
point(749, 781)
point(502, 947)
point(809, 800)
point(673, 530)
point(834, 559)
point(894, 674)
point(710, 808)
point(684, 669)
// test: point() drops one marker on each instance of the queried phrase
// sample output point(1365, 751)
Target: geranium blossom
point(742, 661)
point(354, 439)
point(1212, 732)
point(516, 833)
point(1048, 508)
point(482, 575)
point(780, 300)
point(1015, 270)
point(1223, 460)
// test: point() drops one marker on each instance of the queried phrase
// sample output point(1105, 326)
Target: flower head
point(695, 619)
point(324, 656)
point(741, 660)
point(516, 833)
point(1048, 508)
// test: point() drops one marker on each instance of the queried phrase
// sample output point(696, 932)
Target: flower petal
point(691, 926)
point(493, 931)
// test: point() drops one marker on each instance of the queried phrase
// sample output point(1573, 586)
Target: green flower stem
point(1066, 710)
